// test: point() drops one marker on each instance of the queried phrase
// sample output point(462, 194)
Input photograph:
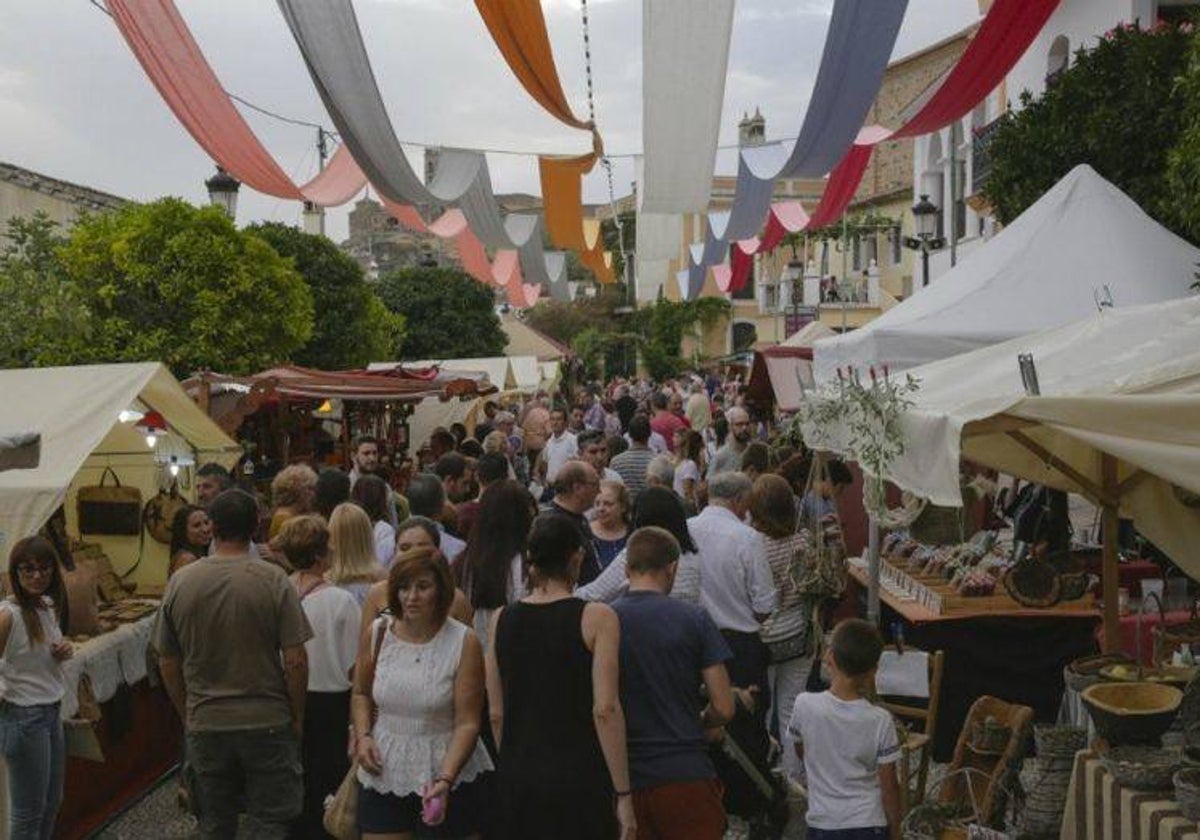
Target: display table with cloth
point(1099, 808)
point(138, 732)
point(1017, 656)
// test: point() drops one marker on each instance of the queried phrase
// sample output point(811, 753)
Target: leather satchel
point(109, 509)
point(159, 513)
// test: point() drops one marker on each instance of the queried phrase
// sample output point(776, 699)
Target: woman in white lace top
point(420, 761)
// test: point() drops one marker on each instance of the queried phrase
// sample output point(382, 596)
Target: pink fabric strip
point(163, 45)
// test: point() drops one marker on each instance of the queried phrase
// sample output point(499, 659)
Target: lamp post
point(223, 192)
point(925, 219)
point(793, 275)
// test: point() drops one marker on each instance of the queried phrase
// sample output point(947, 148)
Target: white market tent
point(809, 335)
point(1118, 420)
point(1044, 270)
point(75, 409)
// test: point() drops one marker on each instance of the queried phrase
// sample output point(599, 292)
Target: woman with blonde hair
point(293, 493)
point(353, 564)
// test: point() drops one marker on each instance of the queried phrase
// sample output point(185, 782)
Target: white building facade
point(950, 165)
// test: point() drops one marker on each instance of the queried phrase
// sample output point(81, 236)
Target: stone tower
point(752, 131)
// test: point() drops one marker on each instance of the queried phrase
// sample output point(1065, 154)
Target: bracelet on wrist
point(443, 778)
point(621, 793)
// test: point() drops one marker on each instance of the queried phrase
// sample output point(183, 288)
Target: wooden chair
point(997, 768)
point(922, 712)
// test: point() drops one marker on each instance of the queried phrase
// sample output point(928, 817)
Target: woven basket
point(1187, 792)
point(1142, 767)
point(1057, 745)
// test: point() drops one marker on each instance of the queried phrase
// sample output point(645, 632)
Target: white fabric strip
point(685, 54)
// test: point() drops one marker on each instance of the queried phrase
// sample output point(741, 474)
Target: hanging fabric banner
point(685, 54)
point(861, 37)
point(330, 40)
point(163, 45)
point(518, 28)
point(562, 200)
point(1003, 37)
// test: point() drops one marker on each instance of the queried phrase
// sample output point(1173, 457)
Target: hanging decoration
point(330, 40)
point(163, 45)
point(1005, 34)
point(518, 28)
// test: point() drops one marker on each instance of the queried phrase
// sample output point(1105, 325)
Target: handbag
point(341, 814)
point(109, 509)
point(820, 567)
point(159, 513)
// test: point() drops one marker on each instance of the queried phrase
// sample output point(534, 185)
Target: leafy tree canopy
point(1120, 108)
point(42, 319)
point(171, 282)
point(352, 327)
point(448, 314)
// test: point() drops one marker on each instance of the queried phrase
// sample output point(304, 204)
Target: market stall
point(1045, 269)
point(137, 423)
point(291, 413)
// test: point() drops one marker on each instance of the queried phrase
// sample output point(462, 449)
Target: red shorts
point(680, 811)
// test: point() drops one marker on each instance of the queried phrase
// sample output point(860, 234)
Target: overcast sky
point(75, 104)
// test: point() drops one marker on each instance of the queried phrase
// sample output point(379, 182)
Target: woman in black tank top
point(561, 734)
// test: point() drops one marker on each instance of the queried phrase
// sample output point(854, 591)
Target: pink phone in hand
point(433, 810)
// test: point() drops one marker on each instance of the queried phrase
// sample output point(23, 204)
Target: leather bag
point(109, 509)
point(159, 513)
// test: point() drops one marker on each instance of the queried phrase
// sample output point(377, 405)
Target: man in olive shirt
point(230, 637)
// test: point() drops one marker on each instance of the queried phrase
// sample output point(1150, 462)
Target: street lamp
point(925, 217)
point(223, 192)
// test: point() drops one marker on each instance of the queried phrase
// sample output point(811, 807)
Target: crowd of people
point(547, 632)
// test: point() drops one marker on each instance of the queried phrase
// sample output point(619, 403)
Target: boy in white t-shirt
point(849, 746)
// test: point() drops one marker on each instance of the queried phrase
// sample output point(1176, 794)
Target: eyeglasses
point(29, 570)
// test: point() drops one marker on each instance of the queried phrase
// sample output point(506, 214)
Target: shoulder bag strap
point(104, 477)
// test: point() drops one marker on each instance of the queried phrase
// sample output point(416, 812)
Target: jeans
point(260, 767)
point(31, 740)
point(880, 833)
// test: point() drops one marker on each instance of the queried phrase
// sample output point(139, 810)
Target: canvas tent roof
point(1042, 271)
point(808, 335)
point(524, 340)
point(507, 373)
point(75, 409)
point(1123, 383)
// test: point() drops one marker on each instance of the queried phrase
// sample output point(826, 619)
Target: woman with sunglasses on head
point(31, 689)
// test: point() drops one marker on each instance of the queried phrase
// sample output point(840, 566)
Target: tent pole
point(1110, 575)
point(873, 569)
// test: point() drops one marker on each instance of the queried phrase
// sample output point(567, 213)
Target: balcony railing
point(981, 158)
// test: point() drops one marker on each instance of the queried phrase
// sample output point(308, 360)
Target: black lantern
point(223, 192)
point(925, 219)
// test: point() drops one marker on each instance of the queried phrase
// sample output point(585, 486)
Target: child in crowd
point(849, 746)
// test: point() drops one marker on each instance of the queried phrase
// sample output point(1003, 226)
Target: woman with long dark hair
point(31, 689)
point(370, 493)
point(191, 533)
point(491, 569)
point(552, 686)
point(659, 507)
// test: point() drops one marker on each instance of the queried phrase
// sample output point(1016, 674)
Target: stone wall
point(24, 193)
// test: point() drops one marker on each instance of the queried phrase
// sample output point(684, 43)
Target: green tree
point(663, 325)
point(42, 319)
point(564, 320)
point(352, 327)
point(1183, 162)
point(1119, 108)
point(170, 282)
point(448, 314)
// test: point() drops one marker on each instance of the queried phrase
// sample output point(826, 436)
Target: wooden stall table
point(1098, 808)
point(993, 646)
point(138, 732)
